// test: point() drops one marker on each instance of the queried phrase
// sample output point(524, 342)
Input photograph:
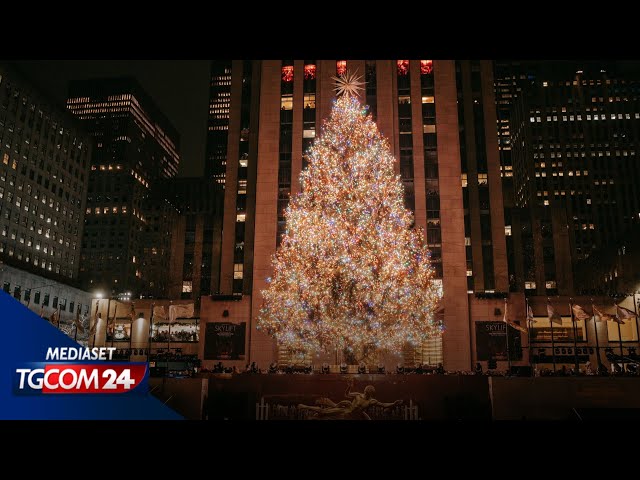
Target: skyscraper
point(127, 232)
point(439, 118)
point(44, 166)
point(575, 141)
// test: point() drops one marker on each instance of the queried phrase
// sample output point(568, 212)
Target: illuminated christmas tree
point(351, 272)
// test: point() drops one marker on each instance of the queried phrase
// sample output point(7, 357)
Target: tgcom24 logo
point(79, 370)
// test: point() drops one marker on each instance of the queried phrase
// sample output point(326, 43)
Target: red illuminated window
point(341, 67)
point(287, 73)
point(309, 72)
point(403, 67)
point(426, 67)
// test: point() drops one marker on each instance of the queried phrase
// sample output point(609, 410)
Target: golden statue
point(348, 409)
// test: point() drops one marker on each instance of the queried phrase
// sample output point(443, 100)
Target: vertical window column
point(404, 129)
point(286, 136)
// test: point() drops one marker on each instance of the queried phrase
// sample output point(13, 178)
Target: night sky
point(180, 88)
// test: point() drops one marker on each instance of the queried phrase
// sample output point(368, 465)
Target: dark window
point(6, 287)
point(45, 302)
point(36, 298)
point(55, 302)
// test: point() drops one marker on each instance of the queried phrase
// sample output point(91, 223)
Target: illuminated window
point(429, 128)
point(550, 284)
point(341, 67)
point(426, 67)
point(309, 100)
point(507, 230)
point(482, 179)
point(309, 133)
point(467, 241)
point(309, 72)
point(286, 102)
point(287, 73)
point(427, 99)
point(403, 67)
point(187, 286)
point(463, 178)
point(241, 217)
point(237, 271)
point(530, 285)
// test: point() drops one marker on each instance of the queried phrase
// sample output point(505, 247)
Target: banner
point(224, 341)
point(491, 341)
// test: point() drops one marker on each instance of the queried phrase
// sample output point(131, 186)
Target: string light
point(350, 272)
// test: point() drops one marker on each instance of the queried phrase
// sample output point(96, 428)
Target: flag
point(159, 312)
point(55, 318)
point(183, 311)
point(111, 321)
point(579, 313)
point(529, 313)
point(624, 313)
point(511, 323)
point(553, 315)
point(98, 317)
point(604, 317)
point(76, 322)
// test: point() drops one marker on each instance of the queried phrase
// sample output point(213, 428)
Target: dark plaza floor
point(424, 397)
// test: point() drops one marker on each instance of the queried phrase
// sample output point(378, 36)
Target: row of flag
point(579, 313)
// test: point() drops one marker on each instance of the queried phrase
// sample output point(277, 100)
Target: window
point(540, 330)
point(426, 67)
point(286, 102)
point(237, 271)
point(45, 302)
point(36, 298)
point(17, 292)
point(187, 286)
point(403, 67)
point(530, 285)
point(63, 304)
point(428, 99)
point(341, 67)
point(309, 72)
point(628, 331)
point(482, 179)
point(55, 300)
point(6, 287)
point(287, 73)
point(309, 100)
point(507, 230)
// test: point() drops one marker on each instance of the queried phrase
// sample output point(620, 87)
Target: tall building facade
point(439, 118)
point(195, 255)
point(44, 169)
point(127, 233)
point(574, 145)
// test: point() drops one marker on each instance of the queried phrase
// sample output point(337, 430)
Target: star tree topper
point(348, 84)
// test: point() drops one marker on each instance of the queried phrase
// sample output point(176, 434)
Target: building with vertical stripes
point(439, 117)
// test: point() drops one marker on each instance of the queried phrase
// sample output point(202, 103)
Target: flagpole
point(95, 323)
point(506, 326)
point(113, 332)
point(526, 304)
point(620, 340)
point(153, 305)
point(75, 335)
point(553, 343)
point(575, 336)
point(595, 328)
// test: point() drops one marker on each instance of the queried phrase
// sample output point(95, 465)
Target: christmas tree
point(351, 272)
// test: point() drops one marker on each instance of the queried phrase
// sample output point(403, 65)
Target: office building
point(127, 233)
